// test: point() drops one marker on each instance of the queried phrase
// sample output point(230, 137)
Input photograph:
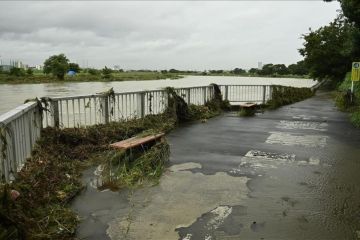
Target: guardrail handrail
point(21, 127)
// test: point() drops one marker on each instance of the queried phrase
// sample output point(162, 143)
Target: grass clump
point(247, 112)
point(51, 177)
point(287, 95)
point(344, 102)
point(135, 167)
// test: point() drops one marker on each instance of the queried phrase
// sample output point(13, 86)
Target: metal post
point(352, 91)
point(12, 164)
point(188, 96)
point(264, 95)
point(4, 157)
point(204, 94)
point(54, 108)
point(226, 92)
point(105, 109)
point(141, 103)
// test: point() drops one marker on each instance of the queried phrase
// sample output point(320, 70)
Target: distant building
point(38, 67)
point(260, 65)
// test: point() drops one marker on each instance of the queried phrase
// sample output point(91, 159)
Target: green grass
point(39, 77)
point(355, 118)
point(282, 95)
point(343, 103)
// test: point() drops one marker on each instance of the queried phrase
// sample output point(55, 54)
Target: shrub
point(286, 95)
point(106, 72)
point(18, 72)
point(355, 118)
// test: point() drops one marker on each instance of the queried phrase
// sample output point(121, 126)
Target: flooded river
point(14, 95)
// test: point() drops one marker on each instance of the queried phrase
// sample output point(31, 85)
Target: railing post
point(54, 108)
point(105, 109)
point(226, 92)
point(212, 91)
point(264, 94)
point(204, 94)
point(4, 154)
point(141, 103)
point(188, 96)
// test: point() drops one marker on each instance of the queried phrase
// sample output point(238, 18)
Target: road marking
point(187, 237)
point(318, 126)
point(297, 140)
point(220, 214)
point(270, 155)
point(308, 117)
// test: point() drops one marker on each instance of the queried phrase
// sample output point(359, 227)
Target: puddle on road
point(303, 125)
point(297, 139)
point(153, 212)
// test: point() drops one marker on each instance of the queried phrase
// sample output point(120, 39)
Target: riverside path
point(290, 173)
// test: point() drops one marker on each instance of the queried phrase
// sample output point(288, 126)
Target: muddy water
point(14, 95)
point(285, 174)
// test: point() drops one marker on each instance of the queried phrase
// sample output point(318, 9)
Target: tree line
point(59, 65)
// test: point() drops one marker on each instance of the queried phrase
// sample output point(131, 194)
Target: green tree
point(106, 72)
point(298, 69)
point(268, 69)
point(328, 50)
point(351, 10)
point(173, 71)
point(74, 67)
point(238, 71)
point(280, 69)
point(57, 65)
point(254, 71)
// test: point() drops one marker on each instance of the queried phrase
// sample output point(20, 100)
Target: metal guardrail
point(21, 127)
point(19, 130)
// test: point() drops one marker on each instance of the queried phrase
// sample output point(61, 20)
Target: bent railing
point(86, 110)
point(21, 127)
point(19, 130)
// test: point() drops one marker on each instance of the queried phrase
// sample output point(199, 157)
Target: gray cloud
point(185, 35)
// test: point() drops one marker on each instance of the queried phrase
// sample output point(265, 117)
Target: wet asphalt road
point(291, 173)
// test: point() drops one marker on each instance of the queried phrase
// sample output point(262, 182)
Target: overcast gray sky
point(160, 35)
